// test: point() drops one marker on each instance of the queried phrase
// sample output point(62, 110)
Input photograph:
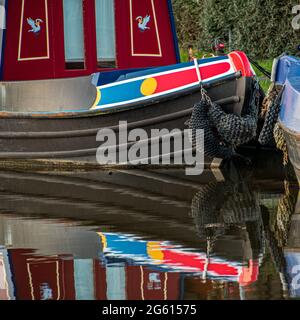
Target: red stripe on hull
point(241, 63)
point(186, 77)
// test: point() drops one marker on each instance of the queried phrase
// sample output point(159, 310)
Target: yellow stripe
point(103, 240)
point(98, 99)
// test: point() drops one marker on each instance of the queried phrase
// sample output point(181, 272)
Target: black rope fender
point(223, 132)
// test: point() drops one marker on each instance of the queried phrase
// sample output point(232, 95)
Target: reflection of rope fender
point(220, 207)
point(224, 132)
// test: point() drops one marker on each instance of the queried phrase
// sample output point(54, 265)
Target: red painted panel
point(47, 57)
point(145, 38)
point(34, 32)
point(21, 44)
point(140, 49)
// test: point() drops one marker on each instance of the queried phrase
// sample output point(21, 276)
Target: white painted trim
point(178, 89)
point(197, 69)
point(173, 71)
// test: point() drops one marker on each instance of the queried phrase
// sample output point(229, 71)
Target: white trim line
point(145, 98)
point(197, 70)
point(174, 71)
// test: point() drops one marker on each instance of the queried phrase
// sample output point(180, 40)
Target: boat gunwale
point(116, 128)
point(130, 106)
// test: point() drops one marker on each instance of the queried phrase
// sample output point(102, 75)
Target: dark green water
point(230, 234)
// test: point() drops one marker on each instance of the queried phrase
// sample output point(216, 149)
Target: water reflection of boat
point(153, 248)
point(128, 268)
point(281, 229)
point(292, 254)
point(123, 199)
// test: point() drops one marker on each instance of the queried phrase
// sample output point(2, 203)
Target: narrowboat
point(72, 67)
point(286, 73)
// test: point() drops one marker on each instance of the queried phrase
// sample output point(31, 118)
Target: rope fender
point(271, 131)
point(223, 132)
point(271, 109)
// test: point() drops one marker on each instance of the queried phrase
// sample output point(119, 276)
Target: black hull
point(62, 137)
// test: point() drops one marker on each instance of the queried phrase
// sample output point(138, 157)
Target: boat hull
point(292, 139)
point(72, 137)
point(288, 75)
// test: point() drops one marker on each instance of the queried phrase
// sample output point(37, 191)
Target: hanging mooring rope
point(270, 112)
point(223, 132)
point(264, 71)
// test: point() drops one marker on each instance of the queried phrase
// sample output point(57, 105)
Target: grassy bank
point(263, 80)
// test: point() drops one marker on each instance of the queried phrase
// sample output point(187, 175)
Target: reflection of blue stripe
point(125, 245)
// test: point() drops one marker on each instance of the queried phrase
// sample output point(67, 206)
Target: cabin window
point(105, 28)
point(74, 34)
point(2, 17)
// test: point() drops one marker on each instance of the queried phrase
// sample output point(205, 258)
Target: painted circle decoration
point(148, 87)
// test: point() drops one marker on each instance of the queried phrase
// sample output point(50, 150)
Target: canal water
point(151, 234)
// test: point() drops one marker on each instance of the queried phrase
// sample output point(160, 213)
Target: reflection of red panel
point(34, 45)
point(44, 278)
point(100, 281)
point(37, 277)
point(147, 284)
point(144, 42)
point(133, 283)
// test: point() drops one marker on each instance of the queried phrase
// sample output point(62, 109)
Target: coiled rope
point(271, 131)
point(223, 132)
